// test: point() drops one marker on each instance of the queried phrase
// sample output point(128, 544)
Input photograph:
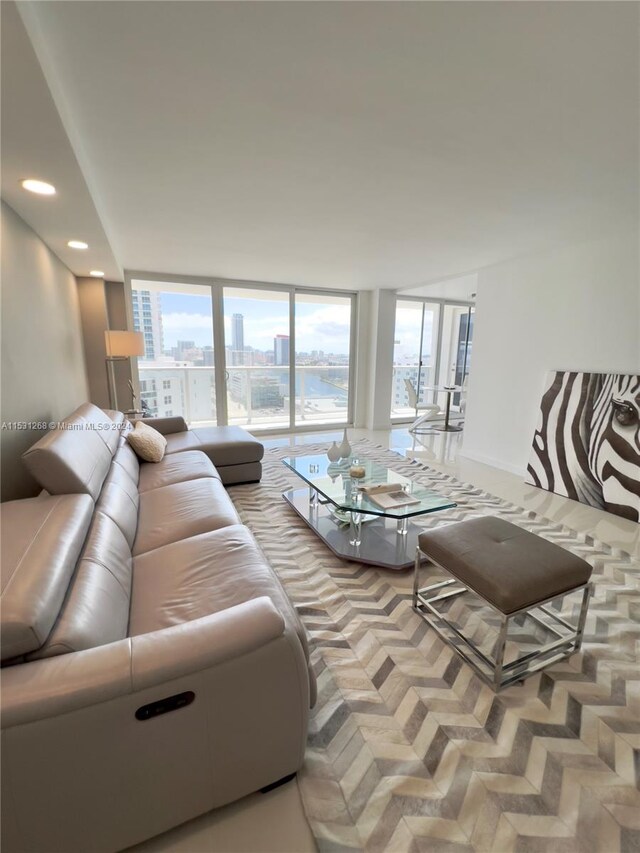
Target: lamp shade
point(123, 344)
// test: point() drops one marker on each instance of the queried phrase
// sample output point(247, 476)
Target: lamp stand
point(111, 375)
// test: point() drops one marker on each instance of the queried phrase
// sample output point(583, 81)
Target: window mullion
point(219, 355)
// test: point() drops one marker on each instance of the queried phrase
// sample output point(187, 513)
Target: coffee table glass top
point(333, 482)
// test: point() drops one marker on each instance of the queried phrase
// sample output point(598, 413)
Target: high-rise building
point(183, 351)
point(237, 339)
point(147, 318)
point(237, 332)
point(281, 349)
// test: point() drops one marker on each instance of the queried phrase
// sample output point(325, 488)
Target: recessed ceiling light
point(77, 244)
point(40, 187)
point(97, 273)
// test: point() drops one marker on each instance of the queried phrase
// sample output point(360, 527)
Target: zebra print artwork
point(587, 442)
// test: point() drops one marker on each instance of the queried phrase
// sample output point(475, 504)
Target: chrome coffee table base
point(383, 542)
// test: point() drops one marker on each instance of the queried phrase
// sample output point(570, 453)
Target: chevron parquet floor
point(408, 750)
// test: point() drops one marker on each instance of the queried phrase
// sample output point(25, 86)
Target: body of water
point(316, 386)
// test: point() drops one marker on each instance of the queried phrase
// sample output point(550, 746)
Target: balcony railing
point(256, 395)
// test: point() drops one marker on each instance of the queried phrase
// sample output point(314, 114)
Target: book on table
point(392, 500)
point(377, 488)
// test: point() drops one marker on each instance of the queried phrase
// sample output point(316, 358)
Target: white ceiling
point(345, 144)
point(35, 145)
point(462, 288)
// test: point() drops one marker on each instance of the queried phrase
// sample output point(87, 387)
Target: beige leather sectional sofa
point(235, 453)
point(153, 666)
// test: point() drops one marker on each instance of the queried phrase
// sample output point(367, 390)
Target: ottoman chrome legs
point(500, 648)
point(567, 636)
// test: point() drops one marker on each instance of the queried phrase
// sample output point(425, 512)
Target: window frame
point(216, 286)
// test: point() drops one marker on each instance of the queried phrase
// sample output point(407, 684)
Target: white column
point(382, 326)
point(360, 379)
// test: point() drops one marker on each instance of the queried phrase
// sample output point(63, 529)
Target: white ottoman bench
point(515, 573)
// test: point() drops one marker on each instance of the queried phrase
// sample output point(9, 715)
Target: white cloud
point(327, 329)
point(184, 326)
point(185, 321)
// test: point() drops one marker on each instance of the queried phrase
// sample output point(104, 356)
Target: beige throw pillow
point(147, 442)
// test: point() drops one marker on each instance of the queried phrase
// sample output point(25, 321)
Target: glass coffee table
point(348, 521)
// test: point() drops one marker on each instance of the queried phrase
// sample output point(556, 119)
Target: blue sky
point(187, 317)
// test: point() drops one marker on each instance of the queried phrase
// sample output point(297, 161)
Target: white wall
point(575, 308)
point(43, 370)
point(94, 321)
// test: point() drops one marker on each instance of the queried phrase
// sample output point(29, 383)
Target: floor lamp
point(120, 346)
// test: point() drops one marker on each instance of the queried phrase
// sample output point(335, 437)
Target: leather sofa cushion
point(166, 426)
point(504, 564)
point(127, 460)
point(76, 458)
point(41, 540)
point(202, 575)
point(249, 472)
point(177, 442)
point(228, 445)
point(176, 468)
point(96, 608)
point(108, 424)
point(120, 500)
point(182, 510)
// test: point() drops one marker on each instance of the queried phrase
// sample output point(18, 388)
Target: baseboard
point(494, 463)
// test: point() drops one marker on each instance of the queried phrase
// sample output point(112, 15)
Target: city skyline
point(189, 317)
point(257, 338)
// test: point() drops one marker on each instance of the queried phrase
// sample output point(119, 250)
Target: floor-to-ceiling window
point(176, 373)
point(256, 332)
point(282, 357)
point(322, 358)
point(414, 354)
point(432, 348)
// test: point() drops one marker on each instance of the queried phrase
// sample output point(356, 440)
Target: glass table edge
point(395, 513)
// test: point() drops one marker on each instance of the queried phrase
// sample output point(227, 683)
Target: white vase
point(333, 453)
point(345, 447)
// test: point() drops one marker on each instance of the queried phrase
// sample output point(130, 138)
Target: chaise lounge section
point(154, 667)
point(236, 454)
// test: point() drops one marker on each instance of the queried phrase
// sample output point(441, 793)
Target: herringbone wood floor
point(408, 750)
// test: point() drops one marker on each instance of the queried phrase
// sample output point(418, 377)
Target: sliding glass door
point(282, 356)
point(257, 372)
point(176, 373)
point(414, 354)
point(287, 356)
point(322, 358)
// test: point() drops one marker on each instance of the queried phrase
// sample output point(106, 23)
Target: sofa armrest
point(167, 426)
point(59, 685)
point(182, 649)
